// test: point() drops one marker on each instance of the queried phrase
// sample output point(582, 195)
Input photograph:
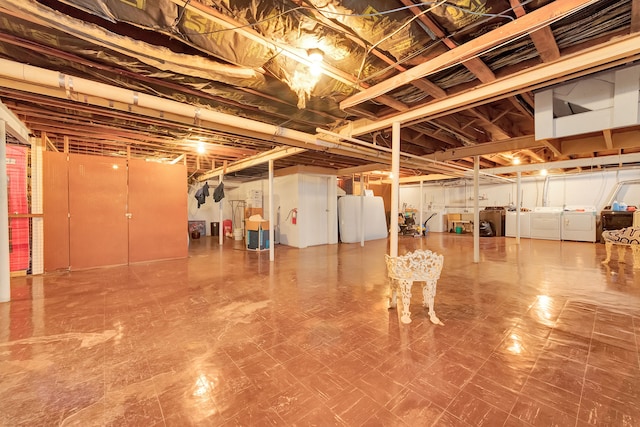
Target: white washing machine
point(510, 224)
point(546, 223)
point(579, 223)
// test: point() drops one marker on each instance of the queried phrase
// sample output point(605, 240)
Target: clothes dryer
point(546, 223)
point(579, 223)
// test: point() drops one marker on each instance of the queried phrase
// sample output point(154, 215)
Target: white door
point(314, 197)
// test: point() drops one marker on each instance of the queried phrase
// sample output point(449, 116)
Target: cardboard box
point(256, 225)
point(248, 212)
point(450, 219)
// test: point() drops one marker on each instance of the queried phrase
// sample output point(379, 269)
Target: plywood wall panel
point(98, 208)
point(158, 207)
point(56, 209)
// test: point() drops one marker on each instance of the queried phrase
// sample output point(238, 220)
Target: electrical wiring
point(329, 14)
point(373, 46)
point(518, 37)
point(334, 14)
point(452, 35)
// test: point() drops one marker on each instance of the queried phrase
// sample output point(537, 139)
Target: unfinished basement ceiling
point(253, 60)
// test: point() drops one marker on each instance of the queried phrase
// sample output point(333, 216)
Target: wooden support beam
point(529, 22)
point(520, 143)
point(275, 154)
point(619, 141)
point(317, 170)
point(475, 65)
point(635, 16)
point(554, 146)
point(542, 39)
point(48, 142)
point(616, 52)
point(364, 168)
point(608, 139)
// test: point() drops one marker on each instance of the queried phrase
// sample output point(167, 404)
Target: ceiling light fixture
point(201, 149)
point(315, 55)
point(516, 160)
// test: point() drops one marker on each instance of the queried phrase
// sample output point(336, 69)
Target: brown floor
point(540, 334)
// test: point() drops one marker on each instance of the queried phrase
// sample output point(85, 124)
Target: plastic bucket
point(237, 234)
point(459, 230)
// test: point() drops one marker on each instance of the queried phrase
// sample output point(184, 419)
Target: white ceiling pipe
point(446, 167)
point(615, 159)
point(40, 76)
point(77, 85)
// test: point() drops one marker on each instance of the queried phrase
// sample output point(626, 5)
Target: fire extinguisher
point(294, 216)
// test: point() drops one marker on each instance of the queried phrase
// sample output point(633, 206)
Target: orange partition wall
point(56, 208)
point(158, 208)
point(97, 208)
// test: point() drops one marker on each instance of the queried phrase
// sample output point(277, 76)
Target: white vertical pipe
point(421, 201)
point(5, 275)
point(362, 209)
point(272, 253)
point(395, 187)
point(518, 202)
point(476, 209)
point(221, 216)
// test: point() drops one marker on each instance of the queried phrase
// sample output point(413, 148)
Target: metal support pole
point(272, 253)
point(221, 229)
point(362, 209)
point(518, 203)
point(395, 188)
point(5, 274)
point(476, 209)
point(421, 202)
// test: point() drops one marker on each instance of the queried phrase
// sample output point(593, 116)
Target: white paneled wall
point(588, 189)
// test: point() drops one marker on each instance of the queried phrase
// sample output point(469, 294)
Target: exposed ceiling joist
point(621, 50)
point(528, 23)
point(542, 39)
point(275, 154)
point(592, 162)
point(554, 146)
point(520, 143)
point(362, 169)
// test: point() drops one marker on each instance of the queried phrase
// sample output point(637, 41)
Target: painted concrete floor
point(537, 334)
